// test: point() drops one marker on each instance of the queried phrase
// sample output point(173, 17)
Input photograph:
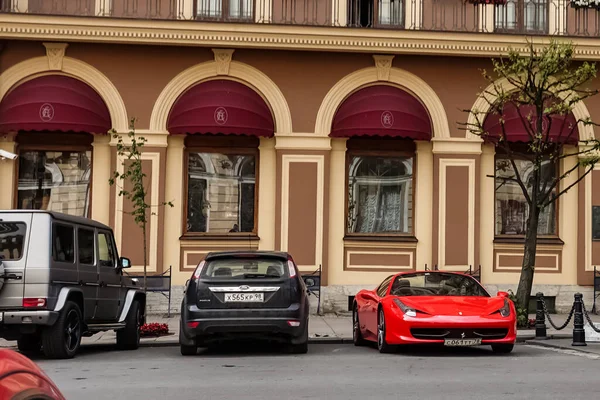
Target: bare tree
point(131, 152)
point(544, 84)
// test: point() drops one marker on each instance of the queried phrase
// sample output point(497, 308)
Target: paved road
point(327, 372)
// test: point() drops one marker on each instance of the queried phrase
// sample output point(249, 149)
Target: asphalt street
point(326, 372)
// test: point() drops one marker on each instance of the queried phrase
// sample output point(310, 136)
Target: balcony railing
point(532, 17)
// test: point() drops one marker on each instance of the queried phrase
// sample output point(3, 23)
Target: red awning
point(54, 103)
point(221, 107)
point(382, 111)
point(516, 131)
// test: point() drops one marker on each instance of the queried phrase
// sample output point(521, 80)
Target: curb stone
point(546, 343)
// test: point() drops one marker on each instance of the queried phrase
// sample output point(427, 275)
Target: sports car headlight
point(411, 312)
point(505, 310)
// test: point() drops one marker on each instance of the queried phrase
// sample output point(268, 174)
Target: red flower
point(154, 329)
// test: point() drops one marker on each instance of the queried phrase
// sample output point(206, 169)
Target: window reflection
point(380, 194)
point(221, 193)
point(512, 209)
point(55, 181)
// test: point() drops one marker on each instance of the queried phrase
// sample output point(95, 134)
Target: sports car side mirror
point(502, 294)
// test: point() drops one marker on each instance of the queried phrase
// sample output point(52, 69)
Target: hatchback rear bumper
point(203, 326)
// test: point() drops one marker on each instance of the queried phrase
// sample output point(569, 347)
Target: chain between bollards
point(578, 331)
point(540, 317)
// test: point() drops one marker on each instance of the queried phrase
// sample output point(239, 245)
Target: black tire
point(188, 350)
point(302, 347)
point(502, 348)
point(382, 344)
point(62, 340)
point(128, 338)
point(357, 337)
point(30, 343)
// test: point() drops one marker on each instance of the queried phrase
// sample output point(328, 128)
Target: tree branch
point(579, 179)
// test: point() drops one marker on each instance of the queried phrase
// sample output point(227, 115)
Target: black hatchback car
point(245, 294)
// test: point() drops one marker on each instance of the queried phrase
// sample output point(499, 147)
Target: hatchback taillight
point(198, 270)
point(291, 268)
point(34, 302)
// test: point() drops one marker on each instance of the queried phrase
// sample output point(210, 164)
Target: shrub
point(154, 329)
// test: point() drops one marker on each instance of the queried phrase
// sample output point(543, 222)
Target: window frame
point(228, 150)
point(521, 238)
point(53, 254)
point(386, 282)
point(224, 13)
point(54, 141)
point(400, 237)
point(111, 243)
point(95, 250)
point(520, 19)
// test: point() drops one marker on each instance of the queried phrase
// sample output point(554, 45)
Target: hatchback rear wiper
point(261, 276)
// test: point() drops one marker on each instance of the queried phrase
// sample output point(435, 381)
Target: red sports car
point(22, 379)
point(433, 307)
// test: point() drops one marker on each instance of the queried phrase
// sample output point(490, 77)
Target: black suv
point(254, 294)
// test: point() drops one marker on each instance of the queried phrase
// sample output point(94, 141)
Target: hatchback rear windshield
point(240, 268)
point(12, 235)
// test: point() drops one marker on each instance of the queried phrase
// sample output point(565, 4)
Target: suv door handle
point(12, 276)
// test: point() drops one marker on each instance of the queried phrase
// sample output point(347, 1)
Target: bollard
point(540, 318)
point(578, 331)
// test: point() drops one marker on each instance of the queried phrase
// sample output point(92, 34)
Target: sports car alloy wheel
point(381, 343)
point(356, 335)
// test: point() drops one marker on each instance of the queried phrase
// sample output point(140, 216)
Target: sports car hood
point(452, 305)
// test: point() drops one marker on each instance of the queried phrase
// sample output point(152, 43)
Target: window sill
point(249, 236)
point(521, 240)
point(381, 238)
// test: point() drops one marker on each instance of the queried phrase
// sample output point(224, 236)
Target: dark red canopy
point(516, 131)
point(221, 106)
point(382, 111)
point(54, 103)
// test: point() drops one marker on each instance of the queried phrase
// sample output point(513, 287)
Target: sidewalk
point(332, 328)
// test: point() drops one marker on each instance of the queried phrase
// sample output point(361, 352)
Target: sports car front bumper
point(492, 329)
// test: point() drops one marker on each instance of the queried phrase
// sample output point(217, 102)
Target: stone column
point(267, 181)
point(101, 173)
point(8, 168)
point(486, 211)
point(423, 204)
point(337, 193)
point(174, 191)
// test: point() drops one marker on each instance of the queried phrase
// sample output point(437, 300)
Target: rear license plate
point(462, 342)
point(244, 297)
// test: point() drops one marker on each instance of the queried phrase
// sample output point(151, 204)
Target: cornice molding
point(265, 36)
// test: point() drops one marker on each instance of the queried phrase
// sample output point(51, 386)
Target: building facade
point(329, 129)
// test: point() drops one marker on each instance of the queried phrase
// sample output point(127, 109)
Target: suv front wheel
point(128, 338)
point(62, 340)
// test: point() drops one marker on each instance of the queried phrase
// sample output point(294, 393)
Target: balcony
point(521, 17)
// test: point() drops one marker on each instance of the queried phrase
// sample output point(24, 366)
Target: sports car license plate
point(244, 297)
point(462, 342)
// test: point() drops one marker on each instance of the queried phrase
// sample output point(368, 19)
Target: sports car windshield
point(436, 284)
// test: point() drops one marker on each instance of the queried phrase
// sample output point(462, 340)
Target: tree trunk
point(145, 253)
point(527, 270)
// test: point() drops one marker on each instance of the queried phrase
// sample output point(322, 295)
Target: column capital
point(338, 144)
point(266, 143)
point(176, 141)
point(101, 140)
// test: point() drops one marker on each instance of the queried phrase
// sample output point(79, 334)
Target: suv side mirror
point(125, 262)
